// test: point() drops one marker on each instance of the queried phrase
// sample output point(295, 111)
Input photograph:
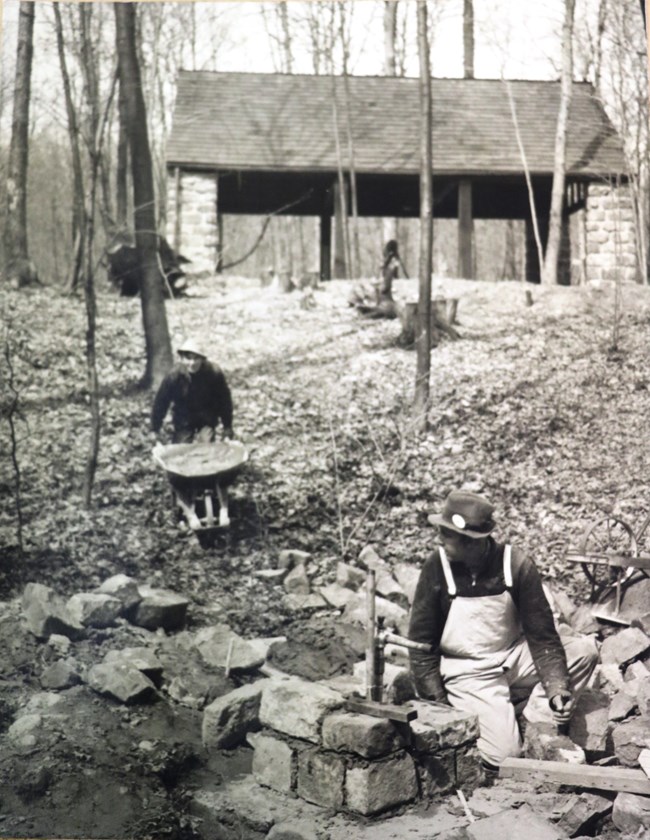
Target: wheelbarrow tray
point(219, 460)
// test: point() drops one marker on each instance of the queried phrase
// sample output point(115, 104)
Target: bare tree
point(423, 330)
point(18, 267)
point(154, 316)
point(556, 216)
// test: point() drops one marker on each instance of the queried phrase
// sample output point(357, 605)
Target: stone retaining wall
point(312, 747)
point(610, 234)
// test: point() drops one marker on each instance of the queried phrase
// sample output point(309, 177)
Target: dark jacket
point(197, 400)
point(431, 608)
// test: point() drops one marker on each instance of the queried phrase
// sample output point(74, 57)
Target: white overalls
point(484, 656)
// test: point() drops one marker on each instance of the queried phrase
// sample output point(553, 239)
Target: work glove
point(562, 706)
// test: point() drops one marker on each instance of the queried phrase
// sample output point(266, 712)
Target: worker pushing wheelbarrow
point(199, 466)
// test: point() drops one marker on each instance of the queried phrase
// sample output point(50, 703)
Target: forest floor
point(543, 408)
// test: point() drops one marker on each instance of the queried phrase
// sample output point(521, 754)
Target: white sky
point(519, 38)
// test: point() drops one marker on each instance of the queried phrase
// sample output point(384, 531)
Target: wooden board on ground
point(623, 779)
point(402, 714)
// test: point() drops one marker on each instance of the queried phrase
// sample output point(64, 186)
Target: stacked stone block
point(610, 235)
point(198, 219)
point(345, 761)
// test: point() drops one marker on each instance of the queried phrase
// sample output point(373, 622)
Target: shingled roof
point(285, 123)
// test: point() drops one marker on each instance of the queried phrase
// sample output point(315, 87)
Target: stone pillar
point(197, 228)
point(610, 234)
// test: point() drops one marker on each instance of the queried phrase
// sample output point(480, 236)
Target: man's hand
point(562, 706)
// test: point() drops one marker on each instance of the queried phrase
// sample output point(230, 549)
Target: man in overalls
point(481, 607)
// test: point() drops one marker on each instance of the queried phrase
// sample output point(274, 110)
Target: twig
point(337, 483)
point(231, 644)
point(463, 802)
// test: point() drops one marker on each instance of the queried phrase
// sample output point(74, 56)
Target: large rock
point(438, 726)
point(589, 725)
point(393, 614)
point(123, 683)
point(380, 785)
point(367, 736)
point(543, 742)
point(160, 608)
point(124, 588)
point(522, 822)
point(350, 576)
point(289, 558)
point(407, 575)
point(583, 813)
point(297, 707)
point(297, 582)
point(60, 675)
point(94, 609)
point(630, 737)
point(398, 684)
point(274, 761)
point(141, 658)
point(337, 596)
point(624, 646)
point(47, 613)
point(621, 706)
point(321, 776)
point(227, 719)
point(213, 643)
point(643, 697)
point(631, 815)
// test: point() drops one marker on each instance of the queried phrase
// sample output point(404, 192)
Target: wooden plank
point(402, 714)
point(622, 779)
point(602, 559)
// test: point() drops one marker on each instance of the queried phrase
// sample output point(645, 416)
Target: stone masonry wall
point(198, 219)
point(610, 234)
point(310, 745)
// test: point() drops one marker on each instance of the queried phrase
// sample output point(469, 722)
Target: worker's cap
point(190, 346)
point(466, 513)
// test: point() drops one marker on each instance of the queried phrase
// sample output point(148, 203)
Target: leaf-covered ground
point(545, 408)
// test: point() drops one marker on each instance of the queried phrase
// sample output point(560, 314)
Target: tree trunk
point(390, 227)
point(551, 257)
point(18, 268)
point(423, 336)
point(154, 316)
point(77, 169)
point(468, 38)
point(122, 169)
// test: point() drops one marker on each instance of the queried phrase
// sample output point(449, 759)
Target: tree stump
point(441, 326)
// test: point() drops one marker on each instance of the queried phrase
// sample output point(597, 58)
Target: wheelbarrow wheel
point(613, 536)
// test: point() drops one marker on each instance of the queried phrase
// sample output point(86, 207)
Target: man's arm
point(223, 400)
point(161, 403)
point(539, 628)
point(426, 626)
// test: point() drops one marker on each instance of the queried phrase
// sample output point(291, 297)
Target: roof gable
point(281, 122)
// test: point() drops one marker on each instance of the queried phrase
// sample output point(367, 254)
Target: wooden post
point(465, 230)
point(326, 246)
point(371, 670)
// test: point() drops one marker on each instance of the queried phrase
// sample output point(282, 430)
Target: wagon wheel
point(608, 536)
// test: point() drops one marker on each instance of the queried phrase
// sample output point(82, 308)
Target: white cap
point(190, 346)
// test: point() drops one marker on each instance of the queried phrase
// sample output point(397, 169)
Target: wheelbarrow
point(609, 556)
point(200, 474)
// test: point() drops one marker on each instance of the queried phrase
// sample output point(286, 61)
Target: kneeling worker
point(482, 608)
